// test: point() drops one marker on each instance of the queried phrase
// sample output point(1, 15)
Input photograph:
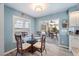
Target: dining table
point(32, 41)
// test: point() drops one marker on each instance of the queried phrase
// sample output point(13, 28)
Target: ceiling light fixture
point(39, 7)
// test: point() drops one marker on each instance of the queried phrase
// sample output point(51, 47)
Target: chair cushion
point(37, 45)
point(25, 45)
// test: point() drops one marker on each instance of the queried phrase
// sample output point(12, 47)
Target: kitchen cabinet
point(74, 44)
point(74, 18)
point(74, 38)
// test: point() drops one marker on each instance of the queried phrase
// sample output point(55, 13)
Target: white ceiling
point(51, 8)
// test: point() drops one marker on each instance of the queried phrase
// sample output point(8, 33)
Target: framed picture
point(65, 24)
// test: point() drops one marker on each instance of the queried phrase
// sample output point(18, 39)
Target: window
point(18, 24)
point(26, 24)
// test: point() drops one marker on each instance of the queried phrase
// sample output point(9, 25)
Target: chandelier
point(39, 7)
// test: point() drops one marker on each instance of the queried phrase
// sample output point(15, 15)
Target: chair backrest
point(24, 34)
point(43, 39)
point(18, 42)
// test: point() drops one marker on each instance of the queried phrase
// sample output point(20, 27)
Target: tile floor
point(52, 50)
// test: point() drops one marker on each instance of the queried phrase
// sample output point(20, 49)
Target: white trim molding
point(63, 46)
point(1, 29)
point(10, 51)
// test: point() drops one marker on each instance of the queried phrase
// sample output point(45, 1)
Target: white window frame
point(21, 25)
point(18, 17)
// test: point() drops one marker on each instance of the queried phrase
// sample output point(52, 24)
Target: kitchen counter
point(72, 34)
point(74, 44)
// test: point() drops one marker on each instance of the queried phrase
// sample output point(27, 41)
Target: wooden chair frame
point(42, 48)
point(19, 45)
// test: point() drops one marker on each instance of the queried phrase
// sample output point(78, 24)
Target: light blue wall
point(8, 18)
point(64, 39)
point(74, 8)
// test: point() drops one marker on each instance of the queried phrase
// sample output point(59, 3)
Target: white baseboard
point(63, 46)
point(10, 51)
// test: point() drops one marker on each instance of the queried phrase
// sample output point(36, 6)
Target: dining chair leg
point(41, 54)
point(16, 53)
point(46, 51)
point(22, 53)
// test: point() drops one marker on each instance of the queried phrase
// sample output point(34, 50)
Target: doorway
point(51, 28)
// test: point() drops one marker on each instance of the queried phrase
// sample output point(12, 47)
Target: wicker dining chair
point(40, 46)
point(21, 47)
